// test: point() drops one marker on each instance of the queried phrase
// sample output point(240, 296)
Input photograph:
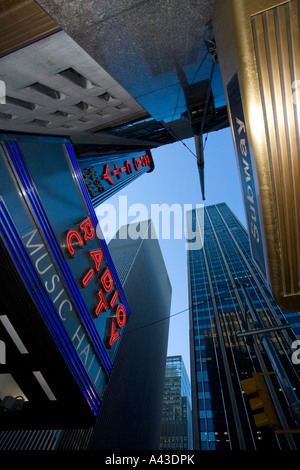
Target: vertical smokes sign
point(247, 172)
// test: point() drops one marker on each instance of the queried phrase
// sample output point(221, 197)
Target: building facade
point(176, 429)
point(57, 269)
point(131, 409)
point(229, 298)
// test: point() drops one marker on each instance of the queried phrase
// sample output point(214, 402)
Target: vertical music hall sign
point(51, 231)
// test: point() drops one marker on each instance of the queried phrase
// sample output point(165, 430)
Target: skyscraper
point(228, 298)
point(176, 429)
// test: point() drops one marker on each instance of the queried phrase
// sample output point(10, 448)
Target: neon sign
point(106, 294)
point(64, 266)
point(100, 177)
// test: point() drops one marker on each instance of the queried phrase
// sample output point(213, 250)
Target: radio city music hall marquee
point(49, 229)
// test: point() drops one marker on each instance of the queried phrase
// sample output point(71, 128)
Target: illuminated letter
point(128, 166)
point(145, 160)
point(58, 296)
point(114, 334)
point(88, 228)
point(253, 216)
point(102, 304)
point(116, 171)
point(121, 315)
point(36, 265)
point(255, 232)
point(28, 244)
point(246, 168)
point(106, 174)
point(114, 298)
point(86, 352)
point(136, 164)
point(88, 277)
point(77, 336)
point(241, 124)
point(243, 147)
point(107, 277)
point(88, 172)
point(60, 308)
point(50, 290)
point(250, 194)
point(73, 234)
point(97, 255)
point(99, 370)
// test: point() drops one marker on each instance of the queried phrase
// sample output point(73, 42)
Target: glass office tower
point(228, 300)
point(176, 429)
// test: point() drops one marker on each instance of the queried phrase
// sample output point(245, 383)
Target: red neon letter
point(136, 164)
point(88, 228)
point(97, 256)
point(88, 277)
point(121, 315)
point(102, 304)
point(116, 171)
point(106, 174)
point(114, 334)
point(114, 298)
point(73, 234)
point(107, 286)
point(128, 166)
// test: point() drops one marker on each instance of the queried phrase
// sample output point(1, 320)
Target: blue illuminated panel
point(40, 294)
point(105, 175)
point(44, 202)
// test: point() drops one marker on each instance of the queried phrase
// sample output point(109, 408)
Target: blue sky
point(175, 180)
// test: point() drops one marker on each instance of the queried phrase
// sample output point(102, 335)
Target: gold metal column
point(259, 55)
point(22, 22)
